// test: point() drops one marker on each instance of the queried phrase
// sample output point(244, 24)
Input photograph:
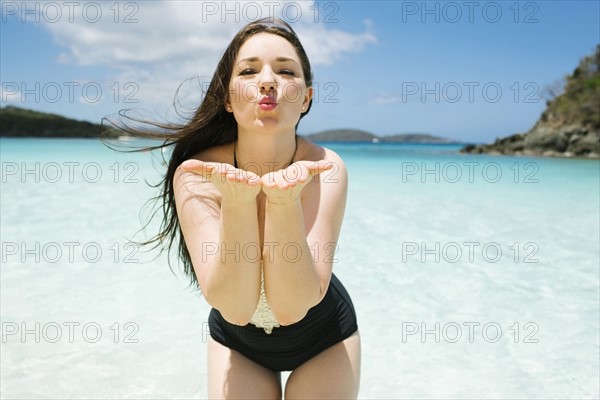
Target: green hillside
point(20, 122)
point(570, 125)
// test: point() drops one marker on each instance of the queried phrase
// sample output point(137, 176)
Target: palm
point(285, 185)
point(233, 183)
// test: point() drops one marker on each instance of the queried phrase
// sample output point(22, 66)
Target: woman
point(260, 211)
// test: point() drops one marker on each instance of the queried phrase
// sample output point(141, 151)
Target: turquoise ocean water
point(473, 276)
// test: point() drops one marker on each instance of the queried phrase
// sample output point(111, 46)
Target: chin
point(268, 124)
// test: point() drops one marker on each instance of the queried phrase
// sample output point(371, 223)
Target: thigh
point(233, 376)
point(333, 373)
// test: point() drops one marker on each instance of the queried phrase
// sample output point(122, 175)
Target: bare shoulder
point(188, 185)
point(325, 199)
point(221, 154)
point(311, 151)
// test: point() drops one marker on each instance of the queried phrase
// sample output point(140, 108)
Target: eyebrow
point(278, 59)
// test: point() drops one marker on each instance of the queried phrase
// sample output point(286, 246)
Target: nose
point(267, 86)
point(267, 81)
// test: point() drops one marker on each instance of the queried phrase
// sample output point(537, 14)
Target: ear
point(307, 97)
point(227, 106)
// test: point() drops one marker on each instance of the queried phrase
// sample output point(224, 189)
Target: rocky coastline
point(570, 125)
point(547, 141)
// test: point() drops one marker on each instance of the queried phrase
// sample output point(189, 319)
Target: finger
point(279, 180)
point(284, 183)
point(253, 179)
point(249, 177)
point(241, 176)
point(197, 167)
point(269, 180)
point(233, 175)
point(296, 173)
point(224, 169)
point(319, 167)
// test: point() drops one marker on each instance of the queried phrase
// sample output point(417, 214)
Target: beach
point(473, 276)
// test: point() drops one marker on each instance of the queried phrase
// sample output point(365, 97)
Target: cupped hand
point(284, 186)
point(233, 183)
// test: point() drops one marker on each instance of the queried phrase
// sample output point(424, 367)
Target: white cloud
point(10, 94)
point(385, 99)
point(176, 40)
point(325, 46)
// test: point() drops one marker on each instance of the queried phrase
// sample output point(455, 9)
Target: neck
point(265, 153)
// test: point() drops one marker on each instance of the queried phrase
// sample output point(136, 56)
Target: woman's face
point(267, 89)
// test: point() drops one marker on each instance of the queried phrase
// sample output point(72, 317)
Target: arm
point(299, 264)
point(218, 219)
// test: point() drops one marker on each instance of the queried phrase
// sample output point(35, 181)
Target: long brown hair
point(209, 125)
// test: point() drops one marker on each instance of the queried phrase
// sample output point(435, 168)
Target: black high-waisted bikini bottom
point(287, 347)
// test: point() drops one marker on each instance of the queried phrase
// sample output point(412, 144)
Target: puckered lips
point(267, 103)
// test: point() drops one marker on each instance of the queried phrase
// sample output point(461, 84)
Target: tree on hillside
point(580, 101)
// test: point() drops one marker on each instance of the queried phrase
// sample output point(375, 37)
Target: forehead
point(267, 45)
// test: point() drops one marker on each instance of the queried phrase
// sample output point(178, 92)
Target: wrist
point(238, 202)
point(279, 202)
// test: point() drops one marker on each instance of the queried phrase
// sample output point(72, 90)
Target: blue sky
point(467, 70)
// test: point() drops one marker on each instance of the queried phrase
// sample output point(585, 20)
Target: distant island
point(355, 135)
point(570, 125)
point(21, 122)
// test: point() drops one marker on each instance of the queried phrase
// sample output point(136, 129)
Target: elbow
point(235, 318)
point(232, 314)
point(235, 314)
point(291, 315)
point(289, 318)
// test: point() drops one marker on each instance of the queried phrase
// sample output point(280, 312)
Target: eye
point(287, 72)
point(247, 71)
